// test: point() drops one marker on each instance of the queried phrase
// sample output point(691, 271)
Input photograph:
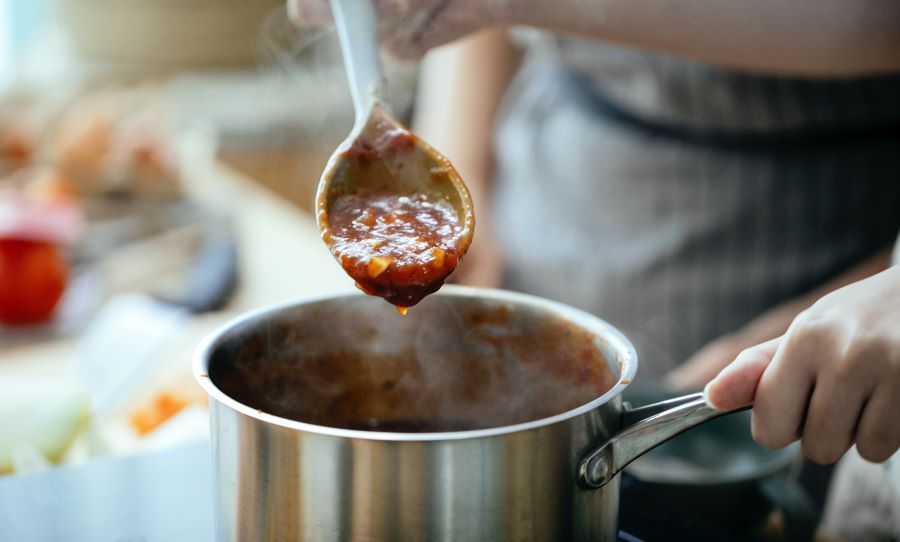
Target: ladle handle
point(357, 31)
point(645, 428)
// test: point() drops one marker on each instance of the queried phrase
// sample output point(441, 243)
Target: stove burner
point(645, 514)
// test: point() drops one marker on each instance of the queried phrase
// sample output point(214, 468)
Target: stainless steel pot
point(522, 398)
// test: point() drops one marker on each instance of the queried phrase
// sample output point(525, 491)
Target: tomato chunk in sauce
point(401, 248)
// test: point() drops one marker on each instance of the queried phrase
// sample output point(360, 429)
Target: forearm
point(826, 38)
point(800, 37)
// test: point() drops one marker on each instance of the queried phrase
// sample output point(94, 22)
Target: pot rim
point(627, 359)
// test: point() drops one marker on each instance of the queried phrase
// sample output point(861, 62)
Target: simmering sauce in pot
point(451, 368)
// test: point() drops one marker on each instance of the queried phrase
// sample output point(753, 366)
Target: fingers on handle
point(878, 433)
point(784, 391)
point(736, 385)
point(831, 418)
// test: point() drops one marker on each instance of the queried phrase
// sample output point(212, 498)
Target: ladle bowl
point(418, 170)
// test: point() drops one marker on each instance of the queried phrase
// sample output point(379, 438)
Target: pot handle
point(645, 428)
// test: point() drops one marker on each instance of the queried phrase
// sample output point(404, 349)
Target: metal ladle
point(425, 172)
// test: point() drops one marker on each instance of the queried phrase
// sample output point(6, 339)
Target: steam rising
point(452, 364)
point(304, 90)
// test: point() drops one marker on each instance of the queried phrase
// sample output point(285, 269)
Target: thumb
point(735, 385)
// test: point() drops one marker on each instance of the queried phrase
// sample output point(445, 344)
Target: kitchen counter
point(280, 258)
point(164, 496)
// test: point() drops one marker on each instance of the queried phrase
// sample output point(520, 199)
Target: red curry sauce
point(396, 247)
point(394, 241)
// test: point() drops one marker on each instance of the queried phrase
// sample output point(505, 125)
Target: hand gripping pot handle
point(645, 428)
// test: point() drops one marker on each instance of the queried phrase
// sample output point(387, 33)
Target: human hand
point(833, 380)
point(409, 28)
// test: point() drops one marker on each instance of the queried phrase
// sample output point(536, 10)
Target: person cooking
point(718, 179)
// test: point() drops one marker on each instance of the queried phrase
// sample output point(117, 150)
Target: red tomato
point(32, 279)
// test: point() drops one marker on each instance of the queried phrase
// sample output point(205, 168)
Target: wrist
point(586, 17)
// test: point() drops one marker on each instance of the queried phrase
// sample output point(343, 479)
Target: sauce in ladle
point(393, 215)
point(398, 247)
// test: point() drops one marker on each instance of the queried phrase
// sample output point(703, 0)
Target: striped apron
point(678, 201)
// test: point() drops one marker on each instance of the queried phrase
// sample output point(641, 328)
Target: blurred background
point(157, 168)
point(158, 162)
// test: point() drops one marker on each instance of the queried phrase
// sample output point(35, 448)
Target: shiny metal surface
point(282, 479)
point(273, 483)
point(159, 495)
point(644, 429)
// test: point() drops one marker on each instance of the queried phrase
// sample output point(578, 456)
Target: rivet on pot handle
point(644, 429)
